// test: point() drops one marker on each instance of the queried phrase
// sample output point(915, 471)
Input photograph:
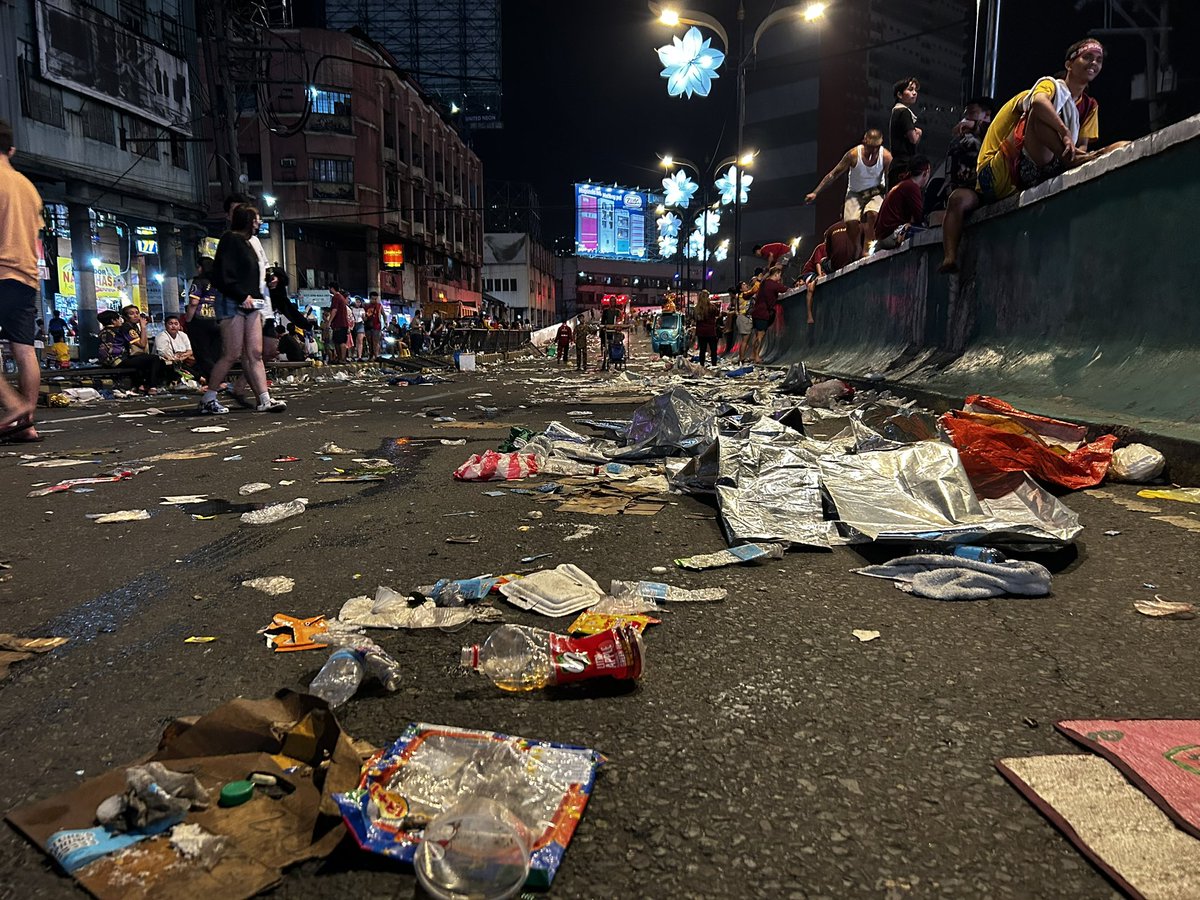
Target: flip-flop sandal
point(9, 435)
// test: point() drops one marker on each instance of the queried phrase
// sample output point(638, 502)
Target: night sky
point(583, 98)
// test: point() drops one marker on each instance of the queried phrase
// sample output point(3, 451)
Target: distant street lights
point(272, 204)
point(690, 65)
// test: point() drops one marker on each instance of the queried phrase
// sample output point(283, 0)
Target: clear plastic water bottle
point(519, 658)
point(340, 677)
point(965, 551)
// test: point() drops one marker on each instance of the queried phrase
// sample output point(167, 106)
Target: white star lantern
point(695, 245)
point(690, 64)
point(678, 189)
point(727, 186)
point(667, 246)
point(668, 225)
point(710, 223)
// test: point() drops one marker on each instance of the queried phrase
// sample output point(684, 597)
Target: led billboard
point(615, 223)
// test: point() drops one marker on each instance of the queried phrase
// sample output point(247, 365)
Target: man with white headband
point(1036, 135)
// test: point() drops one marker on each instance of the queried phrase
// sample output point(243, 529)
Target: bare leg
point(19, 405)
point(231, 349)
point(252, 354)
point(1043, 143)
point(812, 289)
point(868, 226)
point(961, 202)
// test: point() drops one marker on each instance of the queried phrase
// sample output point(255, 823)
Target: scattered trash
point(1112, 533)
point(582, 532)
point(462, 539)
point(253, 488)
point(535, 557)
point(1183, 495)
point(477, 848)
point(274, 585)
point(332, 449)
point(283, 459)
point(120, 515)
point(493, 466)
point(864, 635)
point(1137, 463)
point(276, 512)
point(943, 577)
point(822, 395)
point(1165, 609)
point(659, 570)
point(220, 747)
point(741, 554)
point(194, 843)
point(432, 768)
point(446, 442)
point(595, 623)
point(654, 590)
point(209, 429)
point(183, 499)
point(72, 483)
point(287, 633)
point(14, 649)
point(392, 610)
point(199, 639)
point(560, 591)
point(155, 798)
point(59, 463)
point(351, 478)
point(354, 658)
point(519, 658)
point(178, 455)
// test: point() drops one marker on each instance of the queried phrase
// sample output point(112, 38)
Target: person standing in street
point(20, 221)
point(200, 319)
point(705, 316)
point(373, 320)
point(583, 333)
point(763, 311)
point(339, 324)
point(562, 338)
point(240, 274)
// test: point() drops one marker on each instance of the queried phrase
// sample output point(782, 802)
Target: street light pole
point(740, 104)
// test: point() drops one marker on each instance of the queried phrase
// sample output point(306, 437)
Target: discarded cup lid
point(476, 849)
point(236, 793)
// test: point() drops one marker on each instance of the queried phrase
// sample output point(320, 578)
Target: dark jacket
point(235, 268)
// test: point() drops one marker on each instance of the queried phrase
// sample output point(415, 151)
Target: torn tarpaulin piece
point(674, 423)
point(153, 796)
point(881, 426)
point(769, 488)
point(995, 437)
point(942, 577)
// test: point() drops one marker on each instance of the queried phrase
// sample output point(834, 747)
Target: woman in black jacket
point(239, 273)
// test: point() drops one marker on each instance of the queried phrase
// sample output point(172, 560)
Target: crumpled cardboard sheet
point(288, 736)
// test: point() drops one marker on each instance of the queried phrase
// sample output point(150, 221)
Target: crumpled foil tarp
point(881, 426)
point(921, 492)
point(672, 424)
point(769, 487)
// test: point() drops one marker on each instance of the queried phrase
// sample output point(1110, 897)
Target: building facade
point(102, 101)
point(518, 272)
point(361, 179)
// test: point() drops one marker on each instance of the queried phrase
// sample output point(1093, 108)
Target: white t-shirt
point(267, 310)
point(170, 348)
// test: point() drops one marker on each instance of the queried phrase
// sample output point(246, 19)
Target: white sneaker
point(271, 406)
point(212, 408)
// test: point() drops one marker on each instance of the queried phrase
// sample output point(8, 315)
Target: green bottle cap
point(236, 793)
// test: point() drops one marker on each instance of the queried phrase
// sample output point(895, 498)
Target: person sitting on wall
point(866, 166)
point(903, 208)
point(289, 344)
point(962, 158)
point(1036, 135)
point(813, 269)
point(117, 340)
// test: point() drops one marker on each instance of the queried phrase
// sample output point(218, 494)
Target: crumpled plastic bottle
point(343, 672)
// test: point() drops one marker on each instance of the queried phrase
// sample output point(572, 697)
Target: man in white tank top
point(866, 167)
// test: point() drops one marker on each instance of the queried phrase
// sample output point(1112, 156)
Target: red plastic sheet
point(493, 466)
point(992, 436)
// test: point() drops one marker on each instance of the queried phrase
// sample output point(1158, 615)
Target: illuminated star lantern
point(668, 225)
point(678, 189)
point(727, 185)
point(690, 64)
point(667, 246)
point(710, 223)
point(722, 251)
point(695, 245)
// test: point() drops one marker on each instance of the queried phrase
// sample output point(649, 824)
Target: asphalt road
point(765, 753)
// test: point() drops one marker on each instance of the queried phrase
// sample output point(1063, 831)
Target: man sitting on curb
point(903, 207)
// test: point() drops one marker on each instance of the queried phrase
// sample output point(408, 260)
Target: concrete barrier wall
point(1079, 299)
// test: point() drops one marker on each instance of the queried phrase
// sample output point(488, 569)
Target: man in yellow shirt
point(1036, 135)
point(20, 221)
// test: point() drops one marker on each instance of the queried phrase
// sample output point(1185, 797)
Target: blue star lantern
point(678, 189)
point(690, 64)
point(695, 245)
point(727, 184)
point(667, 246)
point(668, 225)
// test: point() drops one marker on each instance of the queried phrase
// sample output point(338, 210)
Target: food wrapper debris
point(287, 633)
point(733, 556)
point(595, 623)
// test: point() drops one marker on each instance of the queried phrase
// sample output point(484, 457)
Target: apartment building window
point(402, 147)
point(332, 179)
point(139, 137)
point(97, 122)
point(252, 166)
point(40, 100)
point(392, 198)
point(179, 153)
point(330, 110)
point(389, 130)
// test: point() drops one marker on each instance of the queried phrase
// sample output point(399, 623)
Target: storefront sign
point(393, 256)
point(109, 280)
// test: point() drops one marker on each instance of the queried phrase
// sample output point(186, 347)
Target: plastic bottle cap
point(236, 793)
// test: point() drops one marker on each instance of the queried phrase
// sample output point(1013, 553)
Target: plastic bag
point(1137, 463)
point(1016, 441)
point(493, 466)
